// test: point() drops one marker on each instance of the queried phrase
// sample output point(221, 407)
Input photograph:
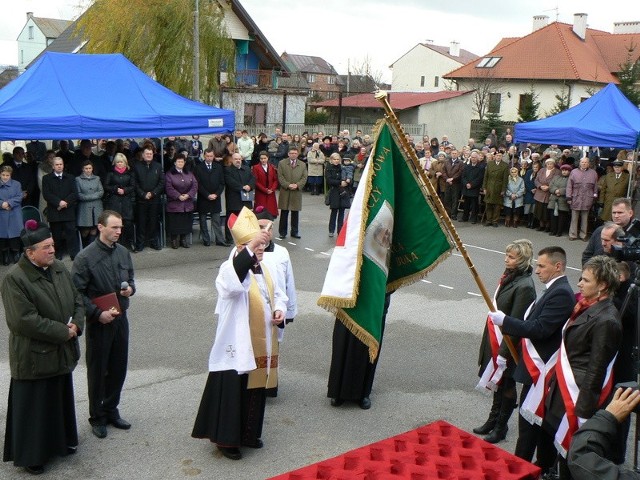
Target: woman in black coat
point(119, 196)
point(339, 197)
point(515, 293)
point(590, 341)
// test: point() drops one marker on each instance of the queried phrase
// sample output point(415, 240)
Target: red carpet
point(435, 451)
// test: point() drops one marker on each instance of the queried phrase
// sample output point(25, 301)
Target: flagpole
point(411, 154)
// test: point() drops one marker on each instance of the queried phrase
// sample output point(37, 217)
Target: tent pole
point(163, 197)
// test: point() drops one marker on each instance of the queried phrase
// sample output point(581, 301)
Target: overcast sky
point(346, 32)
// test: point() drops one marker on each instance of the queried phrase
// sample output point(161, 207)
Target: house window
point(436, 81)
point(494, 102)
point(488, 62)
point(30, 32)
point(311, 78)
point(526, 99)
point(255, 114)
point(422, 81)
point(331, 80)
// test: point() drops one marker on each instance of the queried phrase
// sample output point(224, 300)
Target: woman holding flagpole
point(591, 338)
point(515, 293)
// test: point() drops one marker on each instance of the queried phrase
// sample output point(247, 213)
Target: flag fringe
point(411, 279)
point(360, 333)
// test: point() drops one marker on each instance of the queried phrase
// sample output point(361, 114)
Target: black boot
point(493, 416)
point(501, 428)
point(5, 257)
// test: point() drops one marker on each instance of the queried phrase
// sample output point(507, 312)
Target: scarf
point(120, 170)
point(266, 373)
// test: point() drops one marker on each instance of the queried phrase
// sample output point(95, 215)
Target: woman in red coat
point(266, 184)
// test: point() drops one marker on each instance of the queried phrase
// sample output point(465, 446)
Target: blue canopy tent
point(608, 119)
point(66, 96)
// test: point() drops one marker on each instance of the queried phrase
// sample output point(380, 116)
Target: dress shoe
point(282, 237)
point(295, 235)
point(365, 403)
point(99, 431)
point(572, 239)
point(206, 244)
point(331, 234)
point(120, 423)
point(174, 243)
point(232, 453)
point(495, 225)
point(71, 450)
point(258, 444)
point(336, 402)
point(35, 469)
point(223, 244)
point(184, 243)
point(155, 246)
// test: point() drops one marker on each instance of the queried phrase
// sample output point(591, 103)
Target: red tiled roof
point(398, 100)
point(555, 52)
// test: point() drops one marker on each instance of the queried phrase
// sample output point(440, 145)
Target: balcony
point(264, 79)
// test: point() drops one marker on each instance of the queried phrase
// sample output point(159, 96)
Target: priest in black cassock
point(244, 358)
point(351, 373)
point(45, 316)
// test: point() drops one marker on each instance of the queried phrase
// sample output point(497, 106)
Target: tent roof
point(608, 119)
point(65, 96)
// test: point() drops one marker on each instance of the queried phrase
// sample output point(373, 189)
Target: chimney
point(540, 21)
point(580, 25)
point(626, 27)
point(29, 15)
point(454, 49)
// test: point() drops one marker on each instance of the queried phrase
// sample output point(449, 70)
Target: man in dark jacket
point(60, 192)
point(453, 177)
point(238, 179)
point(103, 268)
point(594, 444)
point(149, 188)
point(542, 327)
point(45, 315)
point(472, 177)
point(210, 176)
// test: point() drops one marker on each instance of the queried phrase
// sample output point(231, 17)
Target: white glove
point(497, 317)
point(501, 361)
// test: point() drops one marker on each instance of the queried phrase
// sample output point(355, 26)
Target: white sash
point(492, 375)
point(566, 382)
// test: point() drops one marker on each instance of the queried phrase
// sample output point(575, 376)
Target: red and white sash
point(492, 375)
point(532, 408)
point(570, 391)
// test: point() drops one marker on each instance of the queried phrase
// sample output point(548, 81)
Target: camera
point(630, 251)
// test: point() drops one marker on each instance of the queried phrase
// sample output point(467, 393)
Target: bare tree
point(484, 84)
point(363, 67)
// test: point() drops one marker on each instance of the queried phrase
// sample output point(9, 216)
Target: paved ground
point(427, 368)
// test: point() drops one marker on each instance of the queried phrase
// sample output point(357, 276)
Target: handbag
point(327, 200)
point(247, 196)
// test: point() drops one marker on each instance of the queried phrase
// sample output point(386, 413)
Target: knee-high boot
point(516, 219)
point(493, 416)
point(507, 220)
point(501, 428)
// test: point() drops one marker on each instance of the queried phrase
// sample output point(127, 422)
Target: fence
point(416, 130)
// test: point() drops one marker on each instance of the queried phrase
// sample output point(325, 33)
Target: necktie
point(293, 164)
point(617, 176)
point(209, 166)
point(256, 269)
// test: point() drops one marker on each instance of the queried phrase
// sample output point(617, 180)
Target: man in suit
point(149, 188)
point(60, 192)
point(541, 333)
point(452, 173)
point(292, 176)
point(237, 179)
point(210, 176)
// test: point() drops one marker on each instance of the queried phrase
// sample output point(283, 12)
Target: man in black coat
point(26, 174)
point(149, 187)
point(210, 176)
point(472, 178)
point(542, 325)
point(60, 192)
point(237, 179)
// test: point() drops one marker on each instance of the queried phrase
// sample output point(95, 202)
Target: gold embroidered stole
point(261, 377)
